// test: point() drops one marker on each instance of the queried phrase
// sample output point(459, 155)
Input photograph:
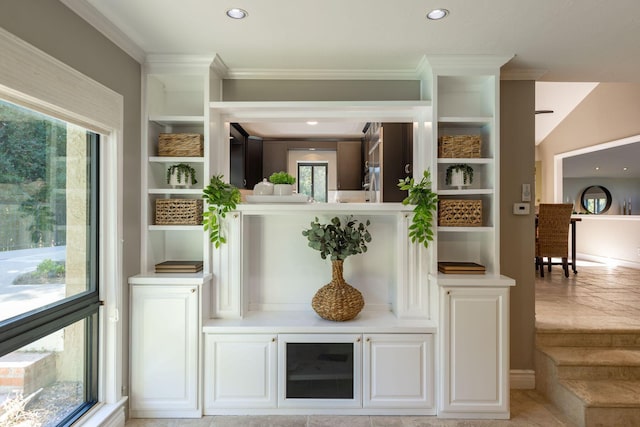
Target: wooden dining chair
point(552, 235)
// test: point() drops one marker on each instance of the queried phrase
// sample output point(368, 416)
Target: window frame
point(313, 165)
point(34, 79)
point(26, 328)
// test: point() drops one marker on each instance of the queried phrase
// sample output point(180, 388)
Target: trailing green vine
point(182, 170)
point(426, 204)
point(221, 198)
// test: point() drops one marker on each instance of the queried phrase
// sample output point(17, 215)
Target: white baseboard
point(104, 415)
point(522, 379)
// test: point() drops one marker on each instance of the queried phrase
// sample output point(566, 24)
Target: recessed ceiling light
point(597, 168)
point(436, 14)
point(625, 168)
point(236, 13)
point(312, 122)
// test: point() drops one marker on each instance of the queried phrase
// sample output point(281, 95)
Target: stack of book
point(179, 267)
point(460, 268)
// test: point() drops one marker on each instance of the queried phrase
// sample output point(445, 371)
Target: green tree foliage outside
point(32, 152)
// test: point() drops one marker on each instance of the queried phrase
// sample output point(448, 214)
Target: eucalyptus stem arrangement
point(426, 204)
point(337, 241)
point(337, 300)
point(221, 198)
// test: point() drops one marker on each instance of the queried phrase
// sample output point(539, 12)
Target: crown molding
point(321, 74)
point(465, 63)
point(97, 20)
point(219, 67)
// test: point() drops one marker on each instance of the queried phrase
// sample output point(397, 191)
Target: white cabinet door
point(398, 371)
point(164, 351)
point(475, 352)
point(239, 371)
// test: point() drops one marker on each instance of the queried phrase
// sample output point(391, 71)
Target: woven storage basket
point(460, 213)
point(459, 146)
point(178, 212)
point(180, 145)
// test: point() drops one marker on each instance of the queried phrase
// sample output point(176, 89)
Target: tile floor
point(598, 297)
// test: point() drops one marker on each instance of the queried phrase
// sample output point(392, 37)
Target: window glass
point(47, 238)
point(49, 381)
point(312, 180)
point(49, 303)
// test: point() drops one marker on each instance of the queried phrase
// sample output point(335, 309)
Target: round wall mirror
point(596, 199)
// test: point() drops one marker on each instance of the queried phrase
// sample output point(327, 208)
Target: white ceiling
point(550, 40)
point(560, 40)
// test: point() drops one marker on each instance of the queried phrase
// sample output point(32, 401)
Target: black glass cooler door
point(319, 371)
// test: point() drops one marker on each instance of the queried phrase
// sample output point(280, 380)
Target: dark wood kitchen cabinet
point(397, 159)
point(349, 165)
point(245, 154)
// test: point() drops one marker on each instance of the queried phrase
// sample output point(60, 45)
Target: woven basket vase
point(337, 300)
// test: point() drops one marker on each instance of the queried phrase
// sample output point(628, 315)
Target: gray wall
point(320, 90)
point(53, 28)
point(517, 232)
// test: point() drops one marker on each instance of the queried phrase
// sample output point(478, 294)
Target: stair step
point(606, 393)
point(604, 402)
point(597, 363)
point(587, 338)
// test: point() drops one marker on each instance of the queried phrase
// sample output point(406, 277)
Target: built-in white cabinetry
point(398, 371)
point(167, 308)
point(351, 373)
point(474, 340)
point(240, 371)
point(467, 105)
point(164, 349)
point(220, 341)
point(475, 374)
point(176, 97)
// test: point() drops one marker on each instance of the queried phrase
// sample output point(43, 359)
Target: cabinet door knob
point(193, 291)
point(273, 339)
point(368, 339)
point(407, 168)
point(358, 340)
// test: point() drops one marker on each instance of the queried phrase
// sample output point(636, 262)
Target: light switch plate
point(526, 192)
point(521, 208)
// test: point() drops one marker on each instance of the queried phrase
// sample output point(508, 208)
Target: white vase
point(457, 180)
point(283, 189)
point(185, 180)
point(264, 188)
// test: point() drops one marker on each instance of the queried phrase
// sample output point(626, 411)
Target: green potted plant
point(181, 174)
point(221, 198)
point(282, 183)
point(336, 240)
point(459, 175)
point(426, 203)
